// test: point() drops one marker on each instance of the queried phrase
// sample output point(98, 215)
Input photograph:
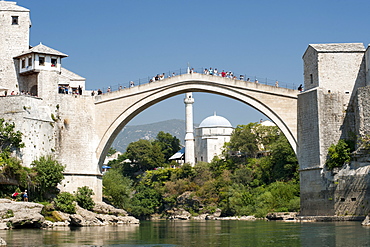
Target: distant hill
point(133, 133)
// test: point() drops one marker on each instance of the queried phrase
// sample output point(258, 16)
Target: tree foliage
point(9, 138)
point(243, 141)
point(83, 197)
point(145, 155)
point(338, 154)
point(65, 202)
point(117, 188)
point(169, 144)
point(49, 173)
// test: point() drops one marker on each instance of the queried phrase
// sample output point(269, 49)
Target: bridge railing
point(181, 71)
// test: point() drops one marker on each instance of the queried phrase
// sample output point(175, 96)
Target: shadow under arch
point(183, 87)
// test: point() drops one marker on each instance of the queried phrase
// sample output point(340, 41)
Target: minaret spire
point(189, 136)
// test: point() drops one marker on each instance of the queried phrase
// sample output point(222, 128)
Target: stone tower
point(332, 75)
point(14, 39)
point(189, 136)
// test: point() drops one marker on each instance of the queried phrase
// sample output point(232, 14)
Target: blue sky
point(114, 41)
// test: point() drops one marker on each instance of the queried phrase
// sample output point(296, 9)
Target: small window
point(42, 61)
point(14, 20)
point(23, 63)
point(311, 78)
point(54, 62)
point(30, 62)
point(342, 199)
point(353, 199)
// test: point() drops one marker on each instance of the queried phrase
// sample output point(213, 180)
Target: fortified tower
point(326, 113)
point(14, 39)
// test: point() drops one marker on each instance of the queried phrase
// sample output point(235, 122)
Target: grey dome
point(215, 121)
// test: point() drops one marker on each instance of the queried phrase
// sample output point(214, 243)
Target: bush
point(338, 155)
point(117, 188)
point(49, 173)
point(65, 202)
point(83, 198)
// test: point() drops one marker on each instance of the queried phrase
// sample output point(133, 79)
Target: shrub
point(338, 155)
point(83, 197)
point(65, 202)
point(49, 173)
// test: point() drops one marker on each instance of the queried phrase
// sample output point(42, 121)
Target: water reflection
point(196, 233)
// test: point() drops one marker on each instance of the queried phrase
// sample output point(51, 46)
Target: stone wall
point(63, 128)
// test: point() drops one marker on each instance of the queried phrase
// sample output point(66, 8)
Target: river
point(197, 233)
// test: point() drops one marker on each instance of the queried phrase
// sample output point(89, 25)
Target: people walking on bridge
point(210, 71)
point(132, 84)
point(108, 90)
point(99, 92)
point(276, 84)
point(206, 72)
point(215, 72)
point(300, 88)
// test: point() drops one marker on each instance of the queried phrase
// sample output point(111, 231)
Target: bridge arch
point(278, 104)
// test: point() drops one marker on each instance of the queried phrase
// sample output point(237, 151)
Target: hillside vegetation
point(257, 174)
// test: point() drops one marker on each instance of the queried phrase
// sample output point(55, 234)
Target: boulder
point(104, 208)
point(21, 214)
point(85, 217)
point(178, 214)
point(366, 221)
point(285, 216)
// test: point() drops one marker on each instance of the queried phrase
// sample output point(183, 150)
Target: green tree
point(65, 202)
point(12, 169)
point(169, 144)
point(145, 155)
point(243, 141)
point(146, 201)
point(117, 188)
point(84, 199)
point(284, 160)
point(9, 138)
point(49, 173)
point(111, 151)
point(338, 154)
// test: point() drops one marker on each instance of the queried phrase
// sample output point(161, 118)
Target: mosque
point(209, 139)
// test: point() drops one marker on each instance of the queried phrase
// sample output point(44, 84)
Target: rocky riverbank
point(28, 214)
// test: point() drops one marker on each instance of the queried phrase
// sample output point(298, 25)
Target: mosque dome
point(215, 121)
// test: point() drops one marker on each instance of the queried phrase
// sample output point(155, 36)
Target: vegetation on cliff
point(257, 174)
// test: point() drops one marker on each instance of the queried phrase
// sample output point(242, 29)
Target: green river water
point(198, 233)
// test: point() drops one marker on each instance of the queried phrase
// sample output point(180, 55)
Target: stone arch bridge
point(114, 110)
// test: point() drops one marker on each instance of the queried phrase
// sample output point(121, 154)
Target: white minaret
point(189, 136)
